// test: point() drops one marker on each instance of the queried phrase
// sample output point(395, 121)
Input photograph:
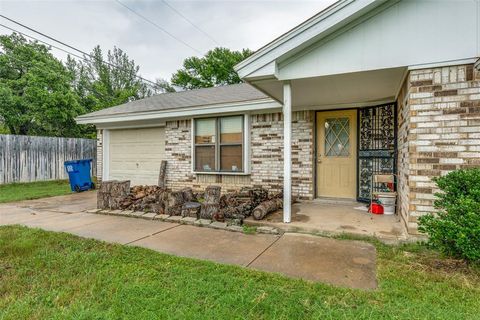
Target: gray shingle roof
point(184, 99)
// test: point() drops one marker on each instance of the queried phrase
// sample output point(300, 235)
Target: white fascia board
point(262, 104)
point(302, 34)
point(444, 64)
point(268, 71)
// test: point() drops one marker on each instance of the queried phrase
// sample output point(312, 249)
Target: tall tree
point(163, 86)
point(214, 69)
point(36, 97)
point(103, 82)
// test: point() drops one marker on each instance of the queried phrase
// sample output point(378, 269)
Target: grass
point(46, 275)
point(249, 229)
point(33, 190)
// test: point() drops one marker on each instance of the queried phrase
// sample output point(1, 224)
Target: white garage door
point(135, 155)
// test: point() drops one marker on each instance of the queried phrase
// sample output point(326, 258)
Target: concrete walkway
point(338, 262)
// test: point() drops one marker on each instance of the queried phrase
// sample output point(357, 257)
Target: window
point(218, 144)
point(337, 137)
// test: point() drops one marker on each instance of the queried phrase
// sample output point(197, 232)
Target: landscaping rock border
point(182, 220)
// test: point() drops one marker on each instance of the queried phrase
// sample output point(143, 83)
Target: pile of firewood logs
point(210, 204)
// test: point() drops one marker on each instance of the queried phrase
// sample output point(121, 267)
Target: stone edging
point(183, 220)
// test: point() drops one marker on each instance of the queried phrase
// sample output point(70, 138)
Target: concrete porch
point(334, 217)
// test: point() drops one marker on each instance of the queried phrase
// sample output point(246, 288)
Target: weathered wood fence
point(28, 158)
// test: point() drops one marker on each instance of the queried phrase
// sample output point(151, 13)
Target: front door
point(336, 154)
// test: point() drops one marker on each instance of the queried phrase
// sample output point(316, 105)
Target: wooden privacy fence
point(28, 158)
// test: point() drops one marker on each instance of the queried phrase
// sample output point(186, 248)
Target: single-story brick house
point(364, 86)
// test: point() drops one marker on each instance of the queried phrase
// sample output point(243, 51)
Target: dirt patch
point(432, 262)
point(448, 265)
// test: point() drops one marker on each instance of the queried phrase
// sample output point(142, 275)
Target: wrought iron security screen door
point(377, 146)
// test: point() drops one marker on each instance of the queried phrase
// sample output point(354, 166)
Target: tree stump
point(191, 209)
point(162, 176)
point(218, 216)
point(267, 207)
point(213, 194)
point(173, 203)
point(211, 204)
point(188, 195)
point(112, 193)
point(208, 210)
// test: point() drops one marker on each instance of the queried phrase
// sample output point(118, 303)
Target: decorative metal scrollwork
point(376, 148)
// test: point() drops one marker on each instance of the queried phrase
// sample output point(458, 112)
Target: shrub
point(455, 228)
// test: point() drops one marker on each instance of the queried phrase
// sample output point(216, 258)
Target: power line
point(44, 42)
point(91, 89)
point(171, 35)
point(67, 45)
point(154, 86)
point(28, 62)
point(157, 26)
point(189, 21)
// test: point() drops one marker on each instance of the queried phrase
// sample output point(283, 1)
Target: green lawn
point(46, 275)
point(33, 190)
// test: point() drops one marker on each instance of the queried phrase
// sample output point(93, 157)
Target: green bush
point(455, 228)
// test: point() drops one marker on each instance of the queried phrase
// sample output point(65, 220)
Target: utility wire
point(92, 90)
point(67, 45)
point(3, 54)
point(44, 42)
point(189, 21)
point(158, 27)
point(58, 48)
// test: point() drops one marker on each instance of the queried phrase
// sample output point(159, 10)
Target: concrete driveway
point(338, 262)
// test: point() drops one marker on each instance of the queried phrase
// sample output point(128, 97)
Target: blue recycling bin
point(79, 175)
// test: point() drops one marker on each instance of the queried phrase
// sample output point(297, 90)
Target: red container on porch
point(376, 208)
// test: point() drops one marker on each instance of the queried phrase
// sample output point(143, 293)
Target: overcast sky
point(232, 24)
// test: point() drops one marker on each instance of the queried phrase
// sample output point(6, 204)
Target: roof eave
point(245, 106)
point(273, 50)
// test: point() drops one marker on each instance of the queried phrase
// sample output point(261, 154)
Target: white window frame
point(245, 147)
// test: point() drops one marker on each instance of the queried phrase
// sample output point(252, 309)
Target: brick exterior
point(403, 159)
point(439, 131)
point(266, 149)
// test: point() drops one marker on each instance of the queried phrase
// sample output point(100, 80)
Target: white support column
point(106, 155)
point(287, 152)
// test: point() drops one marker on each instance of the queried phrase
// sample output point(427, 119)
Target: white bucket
point(388, 203)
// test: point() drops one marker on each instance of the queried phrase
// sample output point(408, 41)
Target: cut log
point(212, 195)
point(209, 210)
point(188, 195)
point(162, 176)
point(102, 200)
point(115, 187)
point(218, 216)
point(191, 209)
point(174, 198)
point(139, 195)
point(112, 193)
point(120, 188)
point(267, 207)
point(173, 211)
point(174, 202)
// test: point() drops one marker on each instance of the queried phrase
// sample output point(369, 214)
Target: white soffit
point(327, 21)
point(397, 34)
point(347, 90)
